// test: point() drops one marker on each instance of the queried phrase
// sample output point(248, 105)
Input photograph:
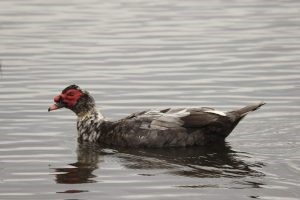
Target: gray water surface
point(134, 55)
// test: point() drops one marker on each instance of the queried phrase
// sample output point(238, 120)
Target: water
point(138, 54)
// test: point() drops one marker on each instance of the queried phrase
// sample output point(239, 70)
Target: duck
point(153, 128)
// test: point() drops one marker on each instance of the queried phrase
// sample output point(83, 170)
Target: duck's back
point(178, 127)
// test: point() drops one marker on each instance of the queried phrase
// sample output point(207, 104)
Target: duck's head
point(75, 99)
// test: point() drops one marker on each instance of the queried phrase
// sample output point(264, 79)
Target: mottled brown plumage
point(171, 127)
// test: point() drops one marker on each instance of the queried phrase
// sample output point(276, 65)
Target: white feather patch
point(217, 112)
point(170, 119)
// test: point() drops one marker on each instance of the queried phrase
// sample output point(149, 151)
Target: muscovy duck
point(170, 127)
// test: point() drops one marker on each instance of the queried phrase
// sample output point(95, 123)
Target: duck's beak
point(56, 106)
point(58, 103)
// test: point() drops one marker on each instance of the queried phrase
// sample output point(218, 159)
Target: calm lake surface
point(137, 54)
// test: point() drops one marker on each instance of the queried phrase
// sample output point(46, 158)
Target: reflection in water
point(73, 191)
point(80, 171)
point(196, 162)
point(203, 162)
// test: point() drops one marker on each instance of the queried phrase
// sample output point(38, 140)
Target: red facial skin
point(69, 98)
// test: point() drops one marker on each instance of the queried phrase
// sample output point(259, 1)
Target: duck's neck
point(88, 124)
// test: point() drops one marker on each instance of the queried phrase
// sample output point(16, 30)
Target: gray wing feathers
point(169, 119)
point(199, 119)
point(178, 118)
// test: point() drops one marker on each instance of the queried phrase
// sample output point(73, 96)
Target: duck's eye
point(71, 94)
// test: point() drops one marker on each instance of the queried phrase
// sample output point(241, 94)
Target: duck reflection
point(205, 162)
point(82, 170)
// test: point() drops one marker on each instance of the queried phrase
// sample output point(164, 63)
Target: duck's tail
point(237, 115)
point(244, 111)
